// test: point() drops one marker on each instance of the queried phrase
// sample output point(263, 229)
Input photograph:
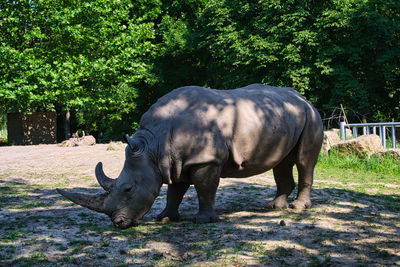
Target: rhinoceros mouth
point(123, 223)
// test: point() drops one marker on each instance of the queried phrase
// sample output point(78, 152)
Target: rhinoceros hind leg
point(283, 175)
point(205, 178)
point(174, 198)
point(309, 147)
point(304, 188)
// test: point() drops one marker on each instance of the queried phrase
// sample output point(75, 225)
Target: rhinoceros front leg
point(206, 180)
point(175, 195)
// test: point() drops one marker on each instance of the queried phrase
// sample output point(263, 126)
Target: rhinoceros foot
point(206, 217)
point(171, 215)
point(301, 204)
point(279, 203)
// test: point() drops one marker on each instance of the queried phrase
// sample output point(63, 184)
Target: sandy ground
point(39, 227)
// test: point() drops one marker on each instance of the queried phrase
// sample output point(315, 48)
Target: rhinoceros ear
point(124, 137)
point(136, 147)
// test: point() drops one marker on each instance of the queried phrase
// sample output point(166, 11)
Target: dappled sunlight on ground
point(347, 225)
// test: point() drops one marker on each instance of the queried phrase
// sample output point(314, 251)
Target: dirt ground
point(345, 227)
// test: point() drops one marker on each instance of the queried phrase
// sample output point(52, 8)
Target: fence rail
point(367, 130)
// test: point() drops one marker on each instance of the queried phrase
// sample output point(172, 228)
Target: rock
point(67, 143)
point(349, 132)
point(116, 146)
point(88, 140)
point(330, 138)
point(363, 146)
point(282, 223)
point(392, 152)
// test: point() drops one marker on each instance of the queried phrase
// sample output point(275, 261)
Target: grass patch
point(6, 252)
point(13, 236)
point(29, 205)
point(15, 195)
point(375, 164)
point(320, 260)
point(33, 259)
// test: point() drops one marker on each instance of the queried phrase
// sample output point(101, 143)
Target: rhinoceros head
point(129, 197)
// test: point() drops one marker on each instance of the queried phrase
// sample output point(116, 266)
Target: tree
point(91, 56)
point(331, 51)
point(110, 60)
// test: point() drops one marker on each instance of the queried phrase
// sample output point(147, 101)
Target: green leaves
point(110, 60)
point(75, 54)
point(333, 52)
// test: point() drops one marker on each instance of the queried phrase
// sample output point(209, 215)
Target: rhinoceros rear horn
point(93, 202)
point(105, 182)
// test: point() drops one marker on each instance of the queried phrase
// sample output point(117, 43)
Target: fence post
point(342, 131)
point(355, 132)
point(384, 136)
point(393, 136)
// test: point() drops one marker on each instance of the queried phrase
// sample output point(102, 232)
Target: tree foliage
point(86, 55)
point(331, 51)
point(110, 60)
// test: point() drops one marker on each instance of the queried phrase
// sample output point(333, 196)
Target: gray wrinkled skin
point(195, 136)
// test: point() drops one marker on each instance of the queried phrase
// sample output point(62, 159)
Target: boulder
point(363, 146)
point(87, 140)
point(392, 152)
point(349, 132)
point(330, 138)
point(67, 143)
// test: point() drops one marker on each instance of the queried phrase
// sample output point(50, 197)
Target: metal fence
point(367, 127)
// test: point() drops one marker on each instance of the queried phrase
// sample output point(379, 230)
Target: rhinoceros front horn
point(93, 202)
point(105, 182)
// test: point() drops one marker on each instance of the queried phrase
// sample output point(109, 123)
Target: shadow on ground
point(38, 226)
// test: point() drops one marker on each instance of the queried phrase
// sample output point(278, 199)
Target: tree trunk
point(67, 124)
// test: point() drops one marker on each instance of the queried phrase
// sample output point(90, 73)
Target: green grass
point(389, 143)
point(375, 164)
point(373, 179)
point(34, 259)
point(29, 205)
point(6, 251)
point(320, 260)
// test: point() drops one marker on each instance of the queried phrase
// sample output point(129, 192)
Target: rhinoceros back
point(246, 130)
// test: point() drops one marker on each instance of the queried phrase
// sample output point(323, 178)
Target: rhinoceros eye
point(127, 188)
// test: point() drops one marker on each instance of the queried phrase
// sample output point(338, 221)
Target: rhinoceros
point(195, 136)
